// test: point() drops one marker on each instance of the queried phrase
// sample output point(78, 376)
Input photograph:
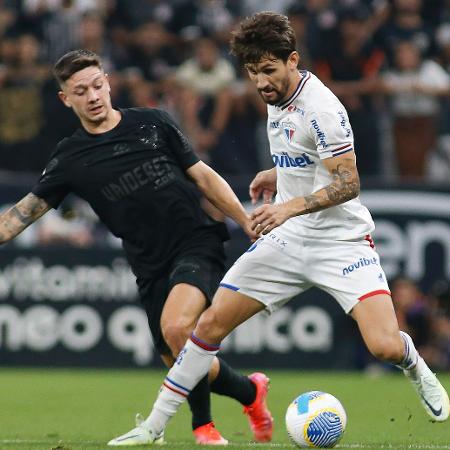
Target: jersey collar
point(305, 76)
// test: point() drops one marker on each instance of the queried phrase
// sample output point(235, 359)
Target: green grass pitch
point(81, 409)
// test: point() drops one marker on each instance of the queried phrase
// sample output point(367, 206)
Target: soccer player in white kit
point(316, 233)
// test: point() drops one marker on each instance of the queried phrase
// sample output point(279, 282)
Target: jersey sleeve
point(178, 142)
point(52, 186)
point(331, 131)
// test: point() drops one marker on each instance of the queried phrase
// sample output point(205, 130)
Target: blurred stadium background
point(67, 297)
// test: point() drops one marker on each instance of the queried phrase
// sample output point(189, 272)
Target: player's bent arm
point(218, 192)
point(19, 216)
point(344, 187)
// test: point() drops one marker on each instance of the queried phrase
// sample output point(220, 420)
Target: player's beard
point(281, 93)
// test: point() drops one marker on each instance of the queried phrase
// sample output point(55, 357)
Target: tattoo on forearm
point(24, 213)
point(344, 187)
point(29, 209)
point(18, 215)
point(312, 203)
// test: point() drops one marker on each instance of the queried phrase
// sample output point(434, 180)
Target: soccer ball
point(315, 419)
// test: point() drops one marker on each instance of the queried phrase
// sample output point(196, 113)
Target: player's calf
point(388, 347)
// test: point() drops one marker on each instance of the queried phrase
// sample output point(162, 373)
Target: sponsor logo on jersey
point(362, 262)
point(343, 122)
point(320, 133)
point(289, 130)
point(155, 174)
point(285, 160)
point(293, 108)
point(275, 124)
point(277, 240)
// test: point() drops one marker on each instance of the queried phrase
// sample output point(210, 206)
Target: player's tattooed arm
point(20, 216)
point(344, 186)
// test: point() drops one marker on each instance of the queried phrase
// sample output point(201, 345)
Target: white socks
point(191, 366)
point(411, 356)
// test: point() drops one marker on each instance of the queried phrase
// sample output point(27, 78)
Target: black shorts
point(202, 269)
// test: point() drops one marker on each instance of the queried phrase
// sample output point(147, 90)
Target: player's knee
point(175, 334)
point(209, 327)
point(387, 348)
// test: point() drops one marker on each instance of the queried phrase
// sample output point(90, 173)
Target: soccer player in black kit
point(140, 175)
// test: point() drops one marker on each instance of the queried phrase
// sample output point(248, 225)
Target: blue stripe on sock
point(408, 359)
point(405, 340)
point(203, 344)
point(177, 385)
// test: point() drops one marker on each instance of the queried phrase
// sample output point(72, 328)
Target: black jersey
point(133, 176)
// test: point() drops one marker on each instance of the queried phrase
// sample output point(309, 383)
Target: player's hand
point(267, 217)
point(250, 232)
point(264, 184)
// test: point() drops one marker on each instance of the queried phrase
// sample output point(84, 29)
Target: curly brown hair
point(261, 35)
point(73, 62)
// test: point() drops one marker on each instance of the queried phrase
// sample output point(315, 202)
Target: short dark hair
point(73, 62)
point(261, 35)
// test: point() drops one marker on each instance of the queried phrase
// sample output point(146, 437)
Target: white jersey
point(310, 126)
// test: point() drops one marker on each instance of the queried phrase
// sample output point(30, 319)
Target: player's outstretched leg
point(191, 366)
point(379, 327)
point(432, 394)
point(196, 357)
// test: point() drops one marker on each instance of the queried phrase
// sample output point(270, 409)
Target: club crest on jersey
point(289, 130)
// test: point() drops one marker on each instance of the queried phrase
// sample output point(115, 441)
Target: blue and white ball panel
point(316, 419)
point(324, 429)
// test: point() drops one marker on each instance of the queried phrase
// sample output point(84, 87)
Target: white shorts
point(280, 266)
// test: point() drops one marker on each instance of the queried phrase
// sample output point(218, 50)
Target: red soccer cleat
point(209, 435)
point(261, 421)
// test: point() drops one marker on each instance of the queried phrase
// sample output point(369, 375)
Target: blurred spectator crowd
point(387, 60)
